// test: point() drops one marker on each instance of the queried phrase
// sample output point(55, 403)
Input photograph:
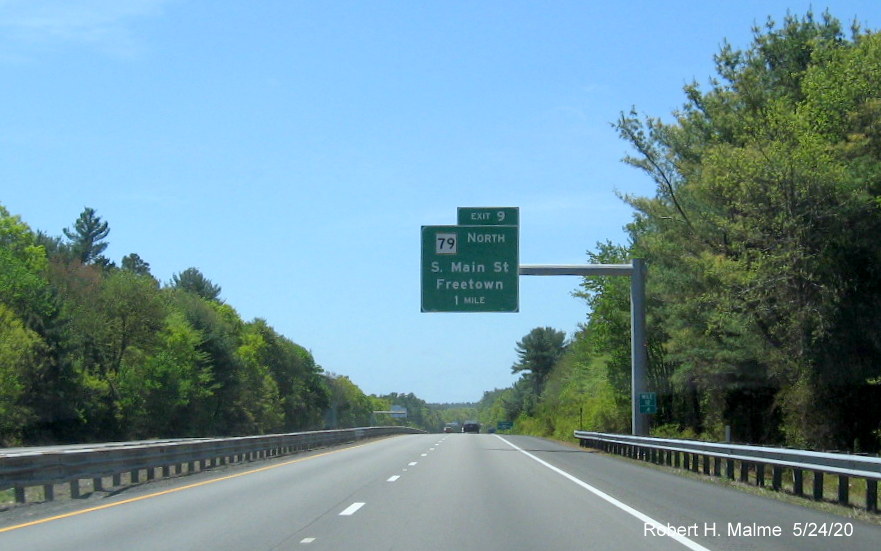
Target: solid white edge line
point(351, 509)
point(691, 544)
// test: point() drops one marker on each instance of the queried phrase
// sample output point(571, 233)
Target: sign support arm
point(638, 344)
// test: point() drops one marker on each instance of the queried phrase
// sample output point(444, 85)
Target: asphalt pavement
point(435, 492)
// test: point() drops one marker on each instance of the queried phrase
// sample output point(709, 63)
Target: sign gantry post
point(638, 351)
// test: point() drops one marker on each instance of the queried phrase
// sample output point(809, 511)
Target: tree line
point(92, 351)
point(764, 261)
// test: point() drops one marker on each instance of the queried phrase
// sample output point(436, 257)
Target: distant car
point(448, 429)
point(471, 427)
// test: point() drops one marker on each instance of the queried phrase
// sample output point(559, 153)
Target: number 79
point(445, 243)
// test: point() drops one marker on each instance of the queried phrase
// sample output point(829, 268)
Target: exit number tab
point(488, 216)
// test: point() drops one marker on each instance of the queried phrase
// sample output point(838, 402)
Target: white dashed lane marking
point(351, 509)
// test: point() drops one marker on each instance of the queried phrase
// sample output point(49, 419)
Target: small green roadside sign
point(504, 425)
point(470, 268)
point(648, 402)
point(488, 216)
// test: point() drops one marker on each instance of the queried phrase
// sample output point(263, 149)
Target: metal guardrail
point(21, 468)
point(695, 456)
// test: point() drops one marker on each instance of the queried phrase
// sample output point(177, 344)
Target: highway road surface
point(433, 492)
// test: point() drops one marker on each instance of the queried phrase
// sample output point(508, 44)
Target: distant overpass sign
point(396, 413)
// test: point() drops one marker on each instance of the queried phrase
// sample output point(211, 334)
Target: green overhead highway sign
point(470, 268)
point(475, 267)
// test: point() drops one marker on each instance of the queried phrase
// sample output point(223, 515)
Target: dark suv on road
point(471, 426)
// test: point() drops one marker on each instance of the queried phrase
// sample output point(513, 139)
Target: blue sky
point(292, 150)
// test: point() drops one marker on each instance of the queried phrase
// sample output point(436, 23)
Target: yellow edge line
point(172, 490)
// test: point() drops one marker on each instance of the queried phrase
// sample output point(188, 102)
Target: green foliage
point(538, 351)
point(349, 406)
point(175, 380)
point(760, 239)
point(23, 286)
point(578, 394)
point(419, 413)
point(134, 263)
point(86, 237)
point(672, 430)
point(91, 352)
point(607, 332)
point(581, 396)
point(193, 281)
point(490, 409)
point(132, 312)
point(302, 390)
point(19, 348)
point(258, 395)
